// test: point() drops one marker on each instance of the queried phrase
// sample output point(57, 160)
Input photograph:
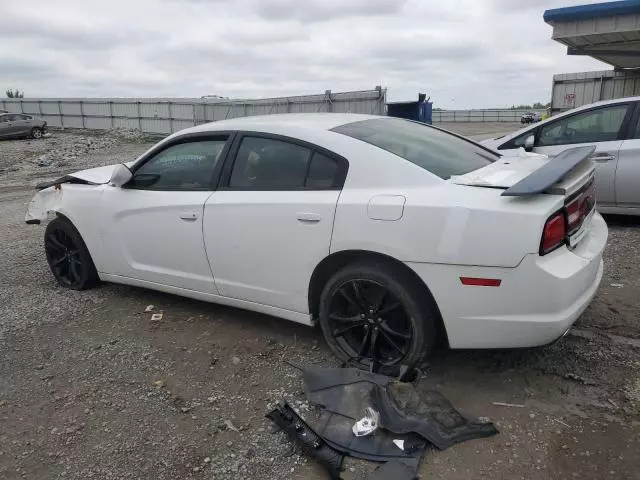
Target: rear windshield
point(438, 152)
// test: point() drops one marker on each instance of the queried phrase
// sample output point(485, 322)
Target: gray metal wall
point(167, 115)
point(571, 90)
point(479, 115)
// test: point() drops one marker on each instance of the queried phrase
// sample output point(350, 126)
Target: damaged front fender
point(50, 194)
point(45, 201)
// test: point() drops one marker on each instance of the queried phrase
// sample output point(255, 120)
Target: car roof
point(312, 121)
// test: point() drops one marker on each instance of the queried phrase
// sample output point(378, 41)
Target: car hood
point(91, 176)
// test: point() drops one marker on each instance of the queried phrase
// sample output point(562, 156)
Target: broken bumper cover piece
point(302, 435)
point(403, 410)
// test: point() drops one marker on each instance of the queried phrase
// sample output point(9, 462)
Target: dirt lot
point(90, 387)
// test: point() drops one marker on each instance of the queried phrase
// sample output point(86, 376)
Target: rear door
point(11, 126)
point(627, 181)
point(604, 127)
point(21, 124)
point(269, 223)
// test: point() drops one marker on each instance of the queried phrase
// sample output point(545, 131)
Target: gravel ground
point(90, 387)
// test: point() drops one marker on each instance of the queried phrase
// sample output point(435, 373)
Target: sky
point(461, 53)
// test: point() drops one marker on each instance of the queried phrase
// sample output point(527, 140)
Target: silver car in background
point(612, 126)
point(18, 125)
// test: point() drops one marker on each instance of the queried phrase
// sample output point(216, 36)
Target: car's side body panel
point(263, 245)
point(291, 315)
point(156, 236)
point(453, 224)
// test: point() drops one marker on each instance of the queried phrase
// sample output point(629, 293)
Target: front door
point(270, 223)
point(602, 127)
point(152, 228)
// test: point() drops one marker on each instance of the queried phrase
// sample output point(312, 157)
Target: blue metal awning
point(609, 32)
point(583, 12)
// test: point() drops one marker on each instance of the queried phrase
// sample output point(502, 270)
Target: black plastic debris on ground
point(410, 421)
point(402, 407)
point(310, 443)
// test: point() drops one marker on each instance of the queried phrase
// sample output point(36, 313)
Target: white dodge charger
point(386, 232)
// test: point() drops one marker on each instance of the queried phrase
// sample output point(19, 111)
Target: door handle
point(602, 157)
point(309, 217)
point(189, 216)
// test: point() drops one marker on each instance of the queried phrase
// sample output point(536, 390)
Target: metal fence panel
point(166, 115)
point(507, 116)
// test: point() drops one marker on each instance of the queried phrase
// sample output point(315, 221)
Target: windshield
point(438, 152)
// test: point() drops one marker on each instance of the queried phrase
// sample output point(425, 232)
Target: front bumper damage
point(45, 201)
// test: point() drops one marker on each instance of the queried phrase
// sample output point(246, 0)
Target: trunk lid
point(570, 174)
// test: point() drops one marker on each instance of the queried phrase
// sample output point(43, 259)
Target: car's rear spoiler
point(550, 173)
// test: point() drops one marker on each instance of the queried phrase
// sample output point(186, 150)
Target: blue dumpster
point(421, 111)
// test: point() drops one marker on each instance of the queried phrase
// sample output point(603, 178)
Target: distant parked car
point(17, 125)
point(612, 126)
point(530, 117)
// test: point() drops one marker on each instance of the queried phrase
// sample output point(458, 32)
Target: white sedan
point(386, 232)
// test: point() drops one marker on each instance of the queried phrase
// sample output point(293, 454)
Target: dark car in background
point(530, 117)
point(18, 125)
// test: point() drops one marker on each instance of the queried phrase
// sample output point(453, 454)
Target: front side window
point(185, 166)
point(438, 152)
point(599, 125)
point(637, 134)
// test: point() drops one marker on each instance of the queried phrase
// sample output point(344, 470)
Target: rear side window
point(271, 164)
point(267, 164)
point(322, 172)
point(438, 152)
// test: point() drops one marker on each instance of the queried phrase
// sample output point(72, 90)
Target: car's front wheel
point(68, 257)
point(378, 314)
point(36, 133)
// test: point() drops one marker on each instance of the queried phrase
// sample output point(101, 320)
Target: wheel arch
point(64, 216)
point(338, 260)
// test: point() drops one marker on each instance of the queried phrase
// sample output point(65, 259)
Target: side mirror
point(121, 175)
point(528, 143)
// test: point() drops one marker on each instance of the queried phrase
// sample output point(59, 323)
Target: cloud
point(462, 53)
point(325, 10)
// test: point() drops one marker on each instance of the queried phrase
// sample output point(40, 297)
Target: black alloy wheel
point(68, 256)
point(377, 317)
point(368, 321)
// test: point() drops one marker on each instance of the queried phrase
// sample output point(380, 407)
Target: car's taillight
point(554, 233)
point(579, 207)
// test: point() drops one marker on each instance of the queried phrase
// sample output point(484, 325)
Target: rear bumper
point(535, 304)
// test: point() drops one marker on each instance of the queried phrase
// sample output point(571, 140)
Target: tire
point(36, 133)
point(68, 256)
point(417, 317)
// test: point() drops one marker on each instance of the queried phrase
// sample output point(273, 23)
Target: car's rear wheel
point(36, 132)
point(377, 315)
point(68, 257)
